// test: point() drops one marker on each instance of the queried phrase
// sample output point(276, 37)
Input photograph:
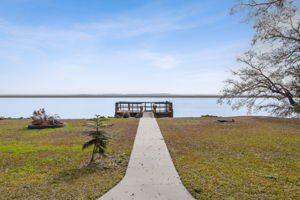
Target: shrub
point(40, 119)
point(126, 114)
point(99, 138)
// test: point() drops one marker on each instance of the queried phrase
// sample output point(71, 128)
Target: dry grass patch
point(50, 163)
point(252, 158)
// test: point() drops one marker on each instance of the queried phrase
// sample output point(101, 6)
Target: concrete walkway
point(150, 173)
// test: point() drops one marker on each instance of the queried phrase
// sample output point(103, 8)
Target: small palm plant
point(99, 137)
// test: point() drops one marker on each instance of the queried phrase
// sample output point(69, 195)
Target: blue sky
point(118, 46)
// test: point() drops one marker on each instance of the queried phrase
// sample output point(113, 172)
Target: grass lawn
point(50, 163)
point(253, 158)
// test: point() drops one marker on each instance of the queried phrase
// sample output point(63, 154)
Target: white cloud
point(160, 60)
point(148, 21)
point(130, 24)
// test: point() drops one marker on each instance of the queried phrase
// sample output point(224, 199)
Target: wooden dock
point(136, 109)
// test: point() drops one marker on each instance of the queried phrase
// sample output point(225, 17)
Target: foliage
point(271, 67)
point(41, 118)
point(253, 158)
point(126, 114)
point(99, 137)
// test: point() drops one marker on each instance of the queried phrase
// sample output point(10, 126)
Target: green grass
point(50, 163)
point(236, 160)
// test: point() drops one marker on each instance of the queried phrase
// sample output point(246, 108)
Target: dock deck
point(136, 109)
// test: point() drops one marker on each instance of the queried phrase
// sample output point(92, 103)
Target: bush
point(125, 114)
point(41, 120)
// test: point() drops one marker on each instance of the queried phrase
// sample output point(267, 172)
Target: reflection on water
point(88, 107)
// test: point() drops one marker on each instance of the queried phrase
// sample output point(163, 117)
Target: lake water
point(88, 107)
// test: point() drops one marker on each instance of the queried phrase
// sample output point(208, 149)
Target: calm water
point(88, 107)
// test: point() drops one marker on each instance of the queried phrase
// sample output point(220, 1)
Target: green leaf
point(89, 143)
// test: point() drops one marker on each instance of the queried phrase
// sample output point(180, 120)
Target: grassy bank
point(252, 158)
point(50, 163)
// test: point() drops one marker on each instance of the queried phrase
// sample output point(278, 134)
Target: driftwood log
point(224, 121)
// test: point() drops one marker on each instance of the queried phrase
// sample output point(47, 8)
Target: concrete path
point(150, 173)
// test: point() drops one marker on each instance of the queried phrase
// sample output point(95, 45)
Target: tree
point(99, 138)
point(270, 69)
point(297, 86)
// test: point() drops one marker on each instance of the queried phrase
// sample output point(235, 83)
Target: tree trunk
point(93, 154)
point(290, 98)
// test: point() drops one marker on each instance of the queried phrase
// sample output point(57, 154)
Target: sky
point(118, 46)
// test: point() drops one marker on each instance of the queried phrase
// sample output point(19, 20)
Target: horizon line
point(117, 95)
